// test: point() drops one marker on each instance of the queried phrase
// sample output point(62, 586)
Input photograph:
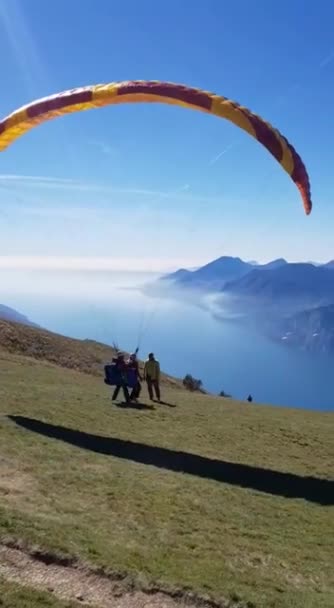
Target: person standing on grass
point(152, 376)
point(120, 366)
point(132, 365)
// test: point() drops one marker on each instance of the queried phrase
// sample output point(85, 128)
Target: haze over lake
point(111, 307)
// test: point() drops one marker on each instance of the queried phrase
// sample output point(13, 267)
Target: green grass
point(15, 596)
point(175, 529)
point(85, 356)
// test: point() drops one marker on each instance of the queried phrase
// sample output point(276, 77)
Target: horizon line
point(119, 264)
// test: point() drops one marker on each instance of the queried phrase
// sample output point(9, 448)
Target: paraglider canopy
point(25, 118)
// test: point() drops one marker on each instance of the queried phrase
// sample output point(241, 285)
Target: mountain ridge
point(290, 280)
point(10, 314)
point(215, 274)
point(212, 275)
point(271, 296)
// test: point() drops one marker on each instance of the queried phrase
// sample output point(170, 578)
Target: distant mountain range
point(279, 280)
point(216, 274)
point(305, 284)
point(292, 301)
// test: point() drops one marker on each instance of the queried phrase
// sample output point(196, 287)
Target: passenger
point(121, 368)
point(134, 366)
point(152, 376)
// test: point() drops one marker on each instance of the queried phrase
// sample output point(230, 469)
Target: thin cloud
point(60, 212)
point(14, 23)
point(286, 97)
point(106, 149)
point(216, 158)
point(56, 182)
point(71, 263)
point(69, 185)
point(184, 188)
point(327, 60)
point(37, 179)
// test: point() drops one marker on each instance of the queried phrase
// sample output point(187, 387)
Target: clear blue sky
point(157, 181)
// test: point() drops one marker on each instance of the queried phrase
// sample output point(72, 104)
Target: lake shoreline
point(184, 335)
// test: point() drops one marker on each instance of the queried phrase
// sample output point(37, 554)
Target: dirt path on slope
point(68, 582)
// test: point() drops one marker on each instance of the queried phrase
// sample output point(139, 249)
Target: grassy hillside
point(202, 494)
point(16, 596)
point(86, 356)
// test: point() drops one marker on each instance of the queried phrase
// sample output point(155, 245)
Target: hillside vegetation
point(86, 356)
point(198, 497)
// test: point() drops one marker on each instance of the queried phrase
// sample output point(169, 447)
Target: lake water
point(185, 337)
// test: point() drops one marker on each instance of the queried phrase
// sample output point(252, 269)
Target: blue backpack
point(112, 375)
point(131, 377)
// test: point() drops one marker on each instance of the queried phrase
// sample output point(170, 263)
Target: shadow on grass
point(287, 485)
point(164, 403)
point(133, 406)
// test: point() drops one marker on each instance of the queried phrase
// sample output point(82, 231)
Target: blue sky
point(153, 187)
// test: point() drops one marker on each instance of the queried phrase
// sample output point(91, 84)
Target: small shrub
point(192, 384)
point(226, 395)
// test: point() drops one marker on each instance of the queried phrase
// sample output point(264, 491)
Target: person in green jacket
point(152, 376)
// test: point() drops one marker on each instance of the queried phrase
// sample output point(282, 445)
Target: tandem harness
point(113, 376)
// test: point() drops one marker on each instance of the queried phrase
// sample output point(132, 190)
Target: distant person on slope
point(152, 376)
point(133, 367)
point(120, 365)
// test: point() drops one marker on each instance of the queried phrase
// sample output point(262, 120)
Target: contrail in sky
point(216, 158)
point(327, 60)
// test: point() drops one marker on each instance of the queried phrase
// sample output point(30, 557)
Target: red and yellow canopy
point(86, 98)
